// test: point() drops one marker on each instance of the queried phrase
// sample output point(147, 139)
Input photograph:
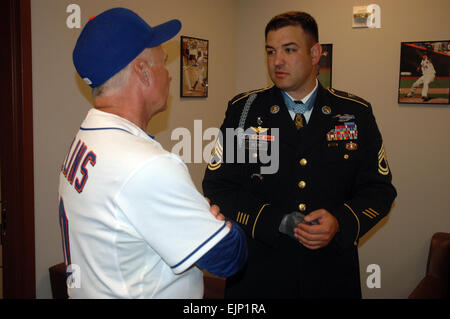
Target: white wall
point(366, 63)
point(61, 99)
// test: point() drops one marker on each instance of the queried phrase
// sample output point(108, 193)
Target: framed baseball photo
point(325, 65)
point(424, 72)
point(194, 67)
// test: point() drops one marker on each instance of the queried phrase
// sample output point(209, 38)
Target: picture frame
point(424, 76)
point(194, 67)
point(326, 66)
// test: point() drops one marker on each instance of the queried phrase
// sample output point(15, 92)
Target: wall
point(61, 99)
point(366, 63)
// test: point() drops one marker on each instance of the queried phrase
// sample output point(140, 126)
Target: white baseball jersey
point(427, 67)
point(200, 68)
point(132, 220)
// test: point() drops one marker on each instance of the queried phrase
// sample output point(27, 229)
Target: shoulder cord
point(243, 117)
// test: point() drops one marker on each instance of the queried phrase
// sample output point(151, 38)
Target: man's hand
point(215, 210)
point(317, 236)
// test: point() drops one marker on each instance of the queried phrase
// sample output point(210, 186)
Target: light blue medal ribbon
point(298, 106)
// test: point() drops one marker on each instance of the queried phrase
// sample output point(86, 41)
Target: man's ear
point(316, 53)
point(142, 71)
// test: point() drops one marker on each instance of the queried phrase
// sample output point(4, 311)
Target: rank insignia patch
point(347, 131)
point(383, 166)
point(216, 157)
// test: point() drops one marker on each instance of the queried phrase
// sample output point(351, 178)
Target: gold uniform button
point(302, 207)
point(346, 156)
point(303, 162)
point(302, 184)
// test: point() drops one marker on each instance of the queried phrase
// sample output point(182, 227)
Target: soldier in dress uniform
point(330, 165)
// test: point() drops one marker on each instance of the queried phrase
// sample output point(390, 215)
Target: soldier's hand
point(317, 236)
point(215, 211)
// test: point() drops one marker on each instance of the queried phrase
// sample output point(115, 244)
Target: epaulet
point(241, 96)
point(348, 96)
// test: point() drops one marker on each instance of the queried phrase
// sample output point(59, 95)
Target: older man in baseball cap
point(132, 223)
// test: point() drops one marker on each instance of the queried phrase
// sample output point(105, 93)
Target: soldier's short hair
point(295, 18)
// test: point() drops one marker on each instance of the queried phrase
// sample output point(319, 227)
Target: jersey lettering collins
point(132, 220)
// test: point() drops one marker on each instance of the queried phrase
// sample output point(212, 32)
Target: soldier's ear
point(316, 53)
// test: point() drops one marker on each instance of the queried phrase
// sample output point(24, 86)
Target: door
point(1, 242)
point(16, 150)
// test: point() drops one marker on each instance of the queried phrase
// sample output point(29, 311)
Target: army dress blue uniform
point(337, 162)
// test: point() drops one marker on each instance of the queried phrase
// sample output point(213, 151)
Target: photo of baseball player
point(133, 224)
point(200, 64)
point(194, 67)
point(424, 72)
point(428, 75)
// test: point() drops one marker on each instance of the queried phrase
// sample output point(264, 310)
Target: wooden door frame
point(16, 149)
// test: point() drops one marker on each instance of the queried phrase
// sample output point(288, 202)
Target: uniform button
point(303, 162)
point(302, 184)
point(302, 207)
point(255, 155)
point(346, 156)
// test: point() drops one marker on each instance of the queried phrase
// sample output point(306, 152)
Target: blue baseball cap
point(114, 38)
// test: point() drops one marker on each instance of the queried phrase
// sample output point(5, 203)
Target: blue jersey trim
point(111, 128)
point(199, 247)
point(103, 128)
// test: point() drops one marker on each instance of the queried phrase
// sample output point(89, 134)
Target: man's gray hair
point(118, 81)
